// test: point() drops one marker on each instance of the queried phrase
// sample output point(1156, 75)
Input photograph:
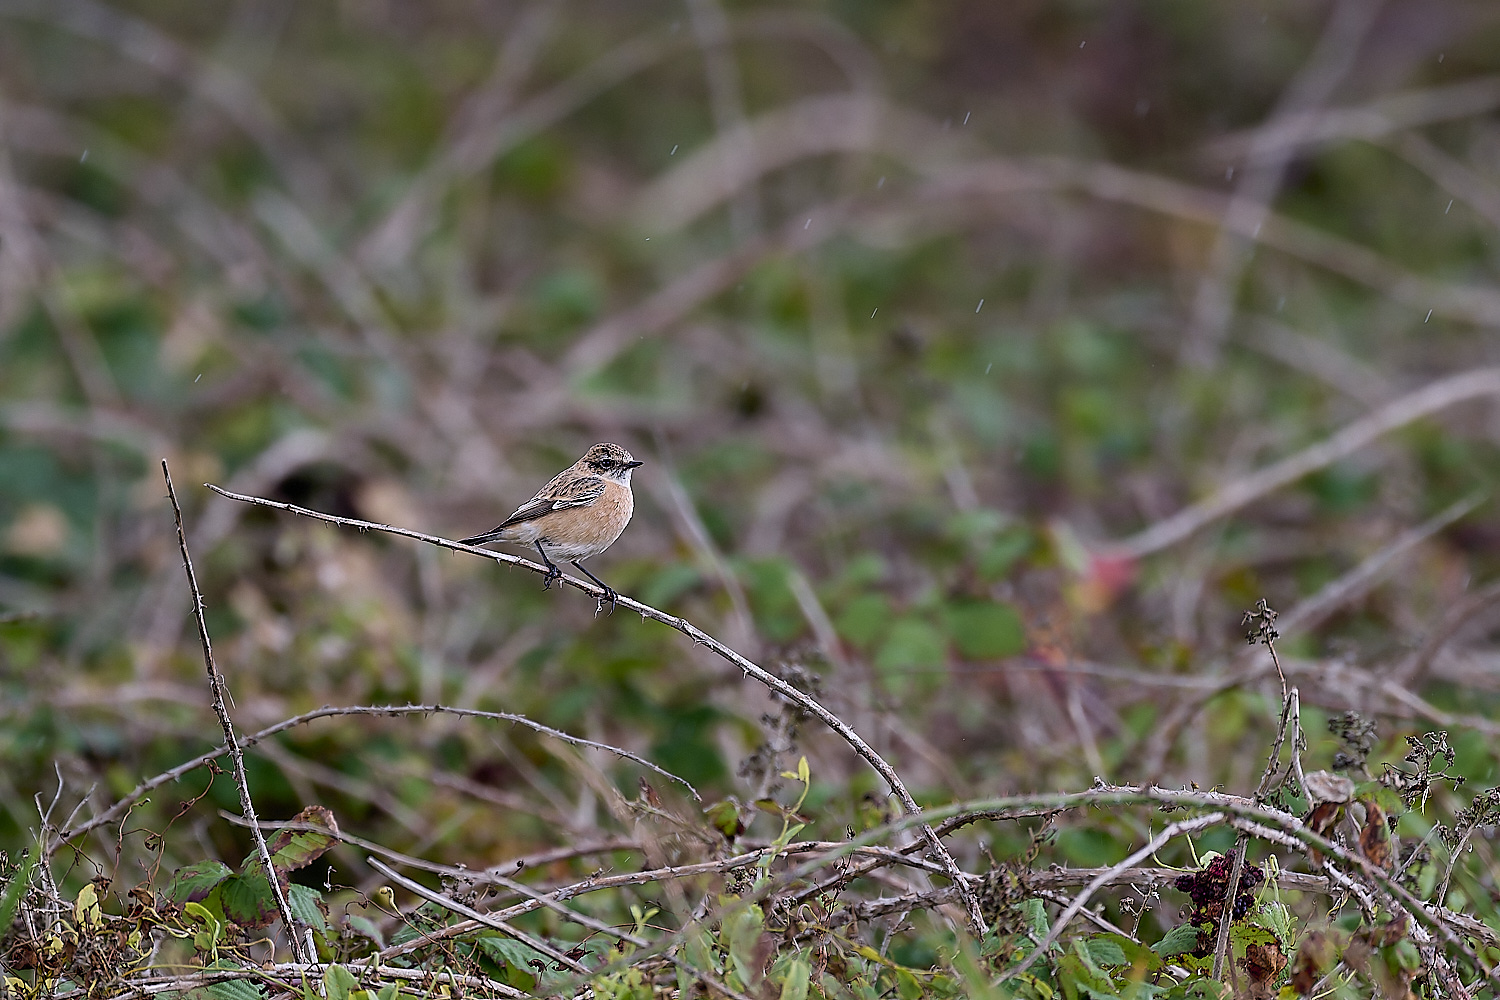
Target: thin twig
point(1262, 174)
point(468, 911)
point(121, 807)
point(550, 901)
point(1105, 877)
point(1387, 114)
point(1455, 619)
point(1232, 496)
point(1303, 616)
point(290, 975)
point(1226, 917)
point(699, 637)
point(231, 742)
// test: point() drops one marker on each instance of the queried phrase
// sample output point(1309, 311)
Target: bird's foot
point(553, 574)
point(610, 596)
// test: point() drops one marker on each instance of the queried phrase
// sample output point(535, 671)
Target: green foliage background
point(893, 376)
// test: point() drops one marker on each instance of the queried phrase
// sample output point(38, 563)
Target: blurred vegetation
point(912, 309)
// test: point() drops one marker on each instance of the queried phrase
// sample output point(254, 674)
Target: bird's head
point(609, 461)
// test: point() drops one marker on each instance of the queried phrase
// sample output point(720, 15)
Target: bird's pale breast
point(579, 532)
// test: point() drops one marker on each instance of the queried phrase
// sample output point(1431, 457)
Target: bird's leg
point(609, 592)
point(553, 573)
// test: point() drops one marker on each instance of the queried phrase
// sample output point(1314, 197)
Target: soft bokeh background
point(909, 308)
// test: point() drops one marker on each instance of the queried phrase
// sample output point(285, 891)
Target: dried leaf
point(1375, 838)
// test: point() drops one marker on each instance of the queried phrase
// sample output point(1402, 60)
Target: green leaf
point(516, 957)
point(1135, 953)
point(741, 932)
point(1095, 973)
point(1406, 955)
point(293, 849)
point(234, 989)
point(1106, 952)
point(913, 644)
point(724, 816)
point(1178, 941)
point(1244, 934)
point(1067, 973)
point(1034, 912)
point(908, 987)
point(303, 901)
point(1277, 917)
point(339, 982)
point(366, 927)
point(794, 986)
point(195, 882)
point(698, 947)
point(247, 899)
point(986, 630)
point(864, 619)
point(11, 900)
point(997, 559)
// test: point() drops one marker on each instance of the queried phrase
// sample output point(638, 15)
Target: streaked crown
point(611, 460)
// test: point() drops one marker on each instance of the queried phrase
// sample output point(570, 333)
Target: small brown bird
point(577, 515)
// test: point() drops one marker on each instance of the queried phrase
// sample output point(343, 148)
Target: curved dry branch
point(1382, 117)
point(1241, 492)
point(699, 637)
point(140, 791)
point(391, 240)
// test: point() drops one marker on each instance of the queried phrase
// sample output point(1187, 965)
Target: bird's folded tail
point(488, 536)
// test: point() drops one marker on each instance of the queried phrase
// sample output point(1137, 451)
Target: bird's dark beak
point(632, 465)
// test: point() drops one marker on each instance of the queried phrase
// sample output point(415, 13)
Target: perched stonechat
point(577, 515)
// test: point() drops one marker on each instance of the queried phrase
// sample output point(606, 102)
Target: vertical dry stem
point(231, 742)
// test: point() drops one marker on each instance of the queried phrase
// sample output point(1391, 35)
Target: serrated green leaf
point(1034, 913)
point(234, 989)
point(1244, 934)
point(293, 849)
point(1179, 940)
point(303, 901)
point(1136, 954)
point(1277, 917)
point(194, 882)
point(247, 900)
point(1080, 949)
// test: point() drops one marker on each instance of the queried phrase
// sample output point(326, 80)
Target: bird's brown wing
point(557, 496)
point(561, 493)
